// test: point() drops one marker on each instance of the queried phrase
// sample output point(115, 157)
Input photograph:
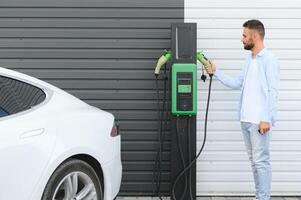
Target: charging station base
point(176, 163)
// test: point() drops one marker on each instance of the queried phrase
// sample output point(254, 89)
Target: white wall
point(223, 168)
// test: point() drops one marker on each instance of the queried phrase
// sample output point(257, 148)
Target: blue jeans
point(258, 151)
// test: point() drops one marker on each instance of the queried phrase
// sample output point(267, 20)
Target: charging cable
point(202, 147)
point(162, 127)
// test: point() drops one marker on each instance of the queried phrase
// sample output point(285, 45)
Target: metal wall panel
point(103, 52)
point(224, 169)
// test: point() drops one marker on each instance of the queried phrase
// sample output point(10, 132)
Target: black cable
point(204, 141)
point(157, 172)
point(164, 116)
point(161, 142)
point(181, 157)
point(189, 155)
point(156, 160)
point(156, 169)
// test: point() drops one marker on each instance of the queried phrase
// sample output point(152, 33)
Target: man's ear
point(256, 36)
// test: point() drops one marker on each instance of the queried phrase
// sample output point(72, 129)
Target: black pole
point(183, 128)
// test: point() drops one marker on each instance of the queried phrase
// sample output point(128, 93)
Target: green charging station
point(183, 76)
point(184, 89)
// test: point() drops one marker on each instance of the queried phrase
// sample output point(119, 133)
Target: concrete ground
point(208, 198)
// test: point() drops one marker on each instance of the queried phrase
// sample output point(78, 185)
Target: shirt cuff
point(218, 73)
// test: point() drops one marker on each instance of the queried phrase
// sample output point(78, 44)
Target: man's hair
point(256, 25)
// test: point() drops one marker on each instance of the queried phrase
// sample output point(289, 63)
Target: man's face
point(247, 39)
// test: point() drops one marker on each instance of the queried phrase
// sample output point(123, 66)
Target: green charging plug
point(161, 61)
point(202, 58)
point(205, 62)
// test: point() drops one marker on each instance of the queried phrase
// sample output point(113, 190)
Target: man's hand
point(210, 69)
point(264, 127)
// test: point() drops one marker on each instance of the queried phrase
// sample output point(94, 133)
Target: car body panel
point(35, 142)
point(25, 157)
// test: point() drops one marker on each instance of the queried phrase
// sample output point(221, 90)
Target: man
point(258, 82)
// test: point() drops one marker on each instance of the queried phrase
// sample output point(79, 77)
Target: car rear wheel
point(73, 180)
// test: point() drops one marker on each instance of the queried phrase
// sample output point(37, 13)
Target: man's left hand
point(264, 127)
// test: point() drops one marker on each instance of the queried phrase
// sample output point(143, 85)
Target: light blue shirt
point(253, 95)
point(269, 71)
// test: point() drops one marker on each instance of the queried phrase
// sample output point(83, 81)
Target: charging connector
point(162, 60)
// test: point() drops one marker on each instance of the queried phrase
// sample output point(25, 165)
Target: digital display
point(184, 88)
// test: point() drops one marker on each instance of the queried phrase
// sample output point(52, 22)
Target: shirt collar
point(261, 53)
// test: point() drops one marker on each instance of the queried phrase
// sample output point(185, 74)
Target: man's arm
point(272, 74)
point(234, 83)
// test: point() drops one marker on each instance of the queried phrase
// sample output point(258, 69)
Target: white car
point(54, 146)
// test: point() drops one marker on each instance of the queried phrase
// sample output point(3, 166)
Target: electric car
point(53, 146)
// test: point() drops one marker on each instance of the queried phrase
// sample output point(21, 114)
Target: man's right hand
point(210, 69)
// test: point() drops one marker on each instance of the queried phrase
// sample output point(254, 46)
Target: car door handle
point(32, 133)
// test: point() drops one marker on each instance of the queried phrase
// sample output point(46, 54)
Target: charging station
point(182, 76)
point(184, 109)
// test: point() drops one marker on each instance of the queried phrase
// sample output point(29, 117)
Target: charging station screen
point(184, 86)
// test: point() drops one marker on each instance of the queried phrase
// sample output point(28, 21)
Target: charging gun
point(205, 62)
point(162, 60)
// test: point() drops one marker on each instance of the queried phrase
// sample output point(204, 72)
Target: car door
point(26, 137)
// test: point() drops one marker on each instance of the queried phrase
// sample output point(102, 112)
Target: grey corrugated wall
point(103, 52)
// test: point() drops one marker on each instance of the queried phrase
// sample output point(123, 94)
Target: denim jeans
point(257, 146)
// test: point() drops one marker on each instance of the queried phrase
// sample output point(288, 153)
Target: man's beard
point(249, 46)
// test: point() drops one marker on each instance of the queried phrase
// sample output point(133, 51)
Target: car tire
point(73, 179)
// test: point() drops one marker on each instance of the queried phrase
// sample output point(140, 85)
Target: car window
point(17, 96)
point(3, 112)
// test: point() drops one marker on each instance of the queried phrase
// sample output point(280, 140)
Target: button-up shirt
point(269, 71)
